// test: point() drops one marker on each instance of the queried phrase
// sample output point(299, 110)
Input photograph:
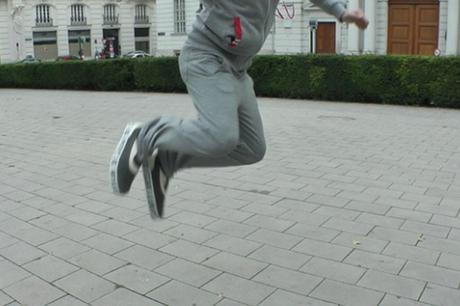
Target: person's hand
point(357, 17)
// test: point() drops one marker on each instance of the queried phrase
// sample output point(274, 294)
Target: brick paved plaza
point(353, 205)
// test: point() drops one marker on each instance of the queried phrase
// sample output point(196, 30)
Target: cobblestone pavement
point(354, 205)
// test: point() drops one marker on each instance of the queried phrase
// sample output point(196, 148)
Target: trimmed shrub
point(405, 80)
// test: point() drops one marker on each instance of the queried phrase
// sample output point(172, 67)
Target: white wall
point(5, 48)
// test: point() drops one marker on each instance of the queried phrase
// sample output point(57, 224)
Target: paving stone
point(341, 213)
point(451, 211)
point(188, 272)
point(145, 222)
point(136, 279)
point(313, 232)
point(33, 291)
point(235, 264)
point(229, 214)
point(115, 227)
point(21, 253)
point(27, 213)
point(395, 235)
point(454, 234)
point(86, 218)
point(270, 223)
point(328, 200)
point(231, 228)
point(191, 233)
point(347, 295)
point(296, 205)
point(391, 300)
point(85, 286)
point(367, 207)
point(123, 297)
point(50, 268)
point(107, 243)
point(375, 261)
point(360, 242)
point(409, 214)
point(446, 221)
point(449, 261)
point(426, 229)
point(437, 275)
point(7, 240)
point(193, 219)
point(442, 245)
point(348, 226)
point(383, 221)
point(64, 248)
point(305, 217)
point(406, 203)
point(281, 297)
point(10, 273)
point(298, 282)
point(397, 285)
point(233, 245)
point(35, 236)
point(358, 196)
point(97, 262)
point(189, 251)
point(413, 253)
point(333, 270)
point(265, 210)
point(438, 295)
point(67, 300)
point(49, 222)
point(227, 302)
point(322, 249)
point(144, 257)
point(408, 177)
point(5, 299)
point(274, 238)
point(232, 287)
point(149, 238)
point(280, 257)
point(167, 294)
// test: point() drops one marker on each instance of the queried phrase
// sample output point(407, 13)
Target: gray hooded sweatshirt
point(240, 27)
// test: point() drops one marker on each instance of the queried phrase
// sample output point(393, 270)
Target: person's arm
point(339, 10)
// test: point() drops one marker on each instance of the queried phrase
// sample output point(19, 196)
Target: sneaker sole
point(115, 161)
point(147, 167)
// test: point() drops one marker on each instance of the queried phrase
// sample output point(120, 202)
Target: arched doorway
point(413, 26)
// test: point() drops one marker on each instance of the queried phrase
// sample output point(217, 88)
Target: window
point(179, 16)
point(142, 40)
point(77, 15)
point(141, 16)
point(42, 15)
point(110, 14)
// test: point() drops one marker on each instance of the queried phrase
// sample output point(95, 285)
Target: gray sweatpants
point(228, 130)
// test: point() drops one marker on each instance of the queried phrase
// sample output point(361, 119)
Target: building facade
point(47, 29)
point(50, 28)
point(418, 27)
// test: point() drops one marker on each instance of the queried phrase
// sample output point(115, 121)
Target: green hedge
point(426, 81)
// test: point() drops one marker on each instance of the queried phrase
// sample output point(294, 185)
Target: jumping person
point(213, 63)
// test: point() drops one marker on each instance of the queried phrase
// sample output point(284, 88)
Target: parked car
point(65, 58)
point(30, 60)
point(136, 54)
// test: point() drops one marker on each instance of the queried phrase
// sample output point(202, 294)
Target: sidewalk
point(353, 205)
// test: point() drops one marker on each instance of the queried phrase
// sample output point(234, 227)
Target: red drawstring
point(238, 32)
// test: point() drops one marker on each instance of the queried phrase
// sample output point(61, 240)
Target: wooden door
point(426, 27)
point(401, 29)
point(413, 27)
point(325, 37)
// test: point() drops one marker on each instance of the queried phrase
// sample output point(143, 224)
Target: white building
point(50, 28)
